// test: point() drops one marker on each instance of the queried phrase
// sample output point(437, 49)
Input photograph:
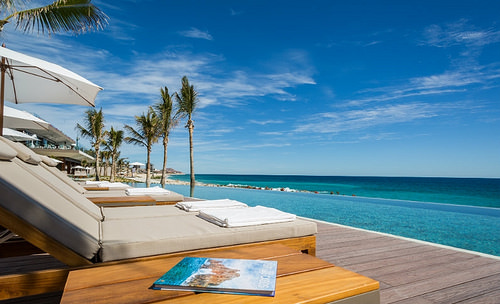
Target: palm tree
point(93, 129)
point(122, 163)
point(115, 140)
point(75, 16)
point(105, 155)
point(187, 102)
point(147, 133)
point(165, 112)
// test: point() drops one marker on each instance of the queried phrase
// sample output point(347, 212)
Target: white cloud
point(337, 122)
point(196, 33)
point(265, 122)
point(439, 84)
point(459, 33)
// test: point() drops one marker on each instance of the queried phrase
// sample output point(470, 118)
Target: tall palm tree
point(187, 102)
point(113, 143)
point(166, 114)
point(93, 129)
point(147, 133)
point(75, 16)
point(105, 155)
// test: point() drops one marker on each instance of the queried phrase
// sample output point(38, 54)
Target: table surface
point(301, 278)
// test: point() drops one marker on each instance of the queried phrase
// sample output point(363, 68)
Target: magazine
point(235, 276)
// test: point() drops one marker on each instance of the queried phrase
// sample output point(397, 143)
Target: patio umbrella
point(17, 119)
point(27, 79)
point(136, 166)
point(17, 136)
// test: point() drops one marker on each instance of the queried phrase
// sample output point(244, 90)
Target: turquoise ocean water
point(459, 212)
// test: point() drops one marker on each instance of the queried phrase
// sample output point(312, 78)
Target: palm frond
point(187, 100)
point(83, 131)
point(166, 112)
point(9, 5)
point(75, 16)
point(135, 137)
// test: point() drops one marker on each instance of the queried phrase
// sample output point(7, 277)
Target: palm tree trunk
point(113, 169)
point(148, 169)
point(192, 182)
point(97, 164)
point(164, 171)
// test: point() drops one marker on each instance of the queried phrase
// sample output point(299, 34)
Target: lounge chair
point(79, 233)
point(56, 178)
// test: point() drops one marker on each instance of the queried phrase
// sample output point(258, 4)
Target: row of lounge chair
point(54, 213)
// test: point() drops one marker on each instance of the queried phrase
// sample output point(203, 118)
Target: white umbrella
point(17, 136)
point(28, 79)
point(17, 119)
point(136, 164)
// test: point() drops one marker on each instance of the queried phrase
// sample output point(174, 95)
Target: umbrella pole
point(2, 95)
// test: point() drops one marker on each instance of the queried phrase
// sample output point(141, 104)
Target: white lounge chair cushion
point(6, 152)
point(156, 235)
point(48, 161)
point(23, 152)
point(31, 200)
point(63, 177)
point(53, 183)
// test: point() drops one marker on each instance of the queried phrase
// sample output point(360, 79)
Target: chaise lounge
point(77, 232)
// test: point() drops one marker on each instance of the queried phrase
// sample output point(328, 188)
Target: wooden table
point(301, 278)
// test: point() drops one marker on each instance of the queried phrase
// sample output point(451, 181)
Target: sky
point(344, 88)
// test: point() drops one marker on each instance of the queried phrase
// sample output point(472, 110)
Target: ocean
point(483, 192)
point(458, 212)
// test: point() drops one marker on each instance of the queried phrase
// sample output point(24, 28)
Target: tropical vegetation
point(187, 101)
point(156, 123)
point(76, 16)
point(93, 129)
point(113, 143)
point(166, 113)
point(146, 134)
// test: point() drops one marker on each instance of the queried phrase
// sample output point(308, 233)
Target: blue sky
point(384, 88)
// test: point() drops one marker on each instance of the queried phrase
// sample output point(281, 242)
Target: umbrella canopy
point(17, 119)
point(28, 79)
point(136, 164)
point(17, 136)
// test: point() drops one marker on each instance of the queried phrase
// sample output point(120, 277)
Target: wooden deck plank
point(488, 298)
point(409, 271)
point(466, 291)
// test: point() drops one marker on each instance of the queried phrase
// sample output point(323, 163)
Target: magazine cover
point(236, 276)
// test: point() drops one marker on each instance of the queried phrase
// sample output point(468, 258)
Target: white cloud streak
point(265, 122)
point(196, 33)
point(337, 122)
point(459, 33)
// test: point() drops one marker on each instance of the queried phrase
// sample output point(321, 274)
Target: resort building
point(52, 142)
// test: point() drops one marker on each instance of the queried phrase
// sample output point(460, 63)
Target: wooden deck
point(412, 272)
point(408, 271)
